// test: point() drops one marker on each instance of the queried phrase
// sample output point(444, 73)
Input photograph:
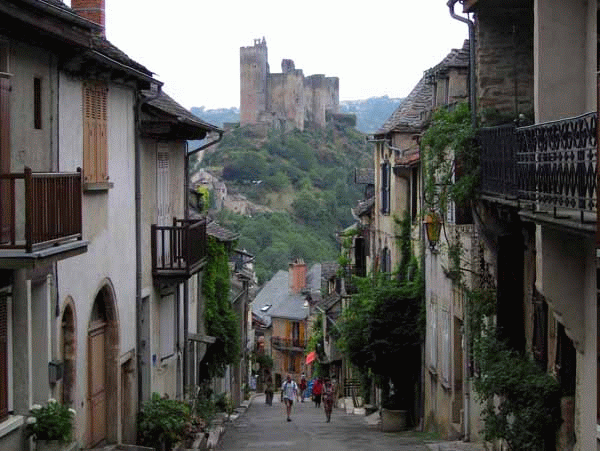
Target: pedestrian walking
point(303, 386)
point(269, 391)
point(328, 397)
point(317, 390)
point(289, 392)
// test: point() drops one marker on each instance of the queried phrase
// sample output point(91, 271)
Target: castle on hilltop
point(286, 100)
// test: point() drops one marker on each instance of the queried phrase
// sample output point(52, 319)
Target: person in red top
point(303, 386)
point(317, 390)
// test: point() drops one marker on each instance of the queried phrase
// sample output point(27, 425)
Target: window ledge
point(97, 186)
point(10, 424)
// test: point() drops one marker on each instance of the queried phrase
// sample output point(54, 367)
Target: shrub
point(163, 422)
point(54, 421)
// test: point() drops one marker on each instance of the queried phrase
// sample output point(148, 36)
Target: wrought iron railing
point(557, 164)
point(287, 343)
point(39, 209)
point(180, 249)
point(551, 165)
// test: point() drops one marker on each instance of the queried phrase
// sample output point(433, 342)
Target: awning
point(310, 357)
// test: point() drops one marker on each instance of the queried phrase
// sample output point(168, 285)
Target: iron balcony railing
point(288, 343)
point(180, 250)
point(551, 165)
point(39, 209)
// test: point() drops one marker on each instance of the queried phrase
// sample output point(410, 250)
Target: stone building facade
point(283, 100)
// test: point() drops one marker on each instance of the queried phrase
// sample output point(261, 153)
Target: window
point(37, 103)
point(432, 333)
point(386, 260)
point(167, 329)
point(414, 193)
point(445, 336)
point(95, 142)
point(385, 187)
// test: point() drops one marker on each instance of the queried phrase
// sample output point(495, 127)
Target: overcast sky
point(375, 47)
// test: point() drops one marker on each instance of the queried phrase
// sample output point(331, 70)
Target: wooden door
point(97, 382)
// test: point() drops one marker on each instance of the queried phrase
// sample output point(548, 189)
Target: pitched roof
point(410, 115)
point(167, 105)
point(364, 207)
point(276, 300)
point(219, 232)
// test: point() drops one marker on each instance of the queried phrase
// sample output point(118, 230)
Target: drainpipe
point(473, 105)
point(140, 101)
point(472, 90)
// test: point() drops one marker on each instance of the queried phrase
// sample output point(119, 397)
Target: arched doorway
point(103, 345)
point(68, 353)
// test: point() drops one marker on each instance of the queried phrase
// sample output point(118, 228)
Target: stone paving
point(264, 427)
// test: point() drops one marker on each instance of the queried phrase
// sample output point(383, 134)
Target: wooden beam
point(202, 338)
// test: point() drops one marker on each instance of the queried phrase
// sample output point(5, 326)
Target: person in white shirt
point(289, 392)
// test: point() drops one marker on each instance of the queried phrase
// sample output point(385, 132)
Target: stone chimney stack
point(92, 10)
point(297, 275)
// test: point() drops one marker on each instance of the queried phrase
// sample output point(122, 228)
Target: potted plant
point(51, 426)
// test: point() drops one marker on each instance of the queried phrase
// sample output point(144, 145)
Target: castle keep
point(284, 100)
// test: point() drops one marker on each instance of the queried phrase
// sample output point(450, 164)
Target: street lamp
point(433, 227)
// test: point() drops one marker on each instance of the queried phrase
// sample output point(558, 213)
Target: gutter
point(472, 88)
point(205, 146)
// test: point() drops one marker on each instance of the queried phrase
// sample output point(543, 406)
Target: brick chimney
point(92, 10)
point(297, 275)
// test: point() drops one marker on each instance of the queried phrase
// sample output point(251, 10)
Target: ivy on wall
point(220, 319)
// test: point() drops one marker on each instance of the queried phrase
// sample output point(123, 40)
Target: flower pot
point(55, 445)
point(393, 420)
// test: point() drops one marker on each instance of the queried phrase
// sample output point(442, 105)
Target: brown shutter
point(95, 140)
point(5, 197)
point(3, 358)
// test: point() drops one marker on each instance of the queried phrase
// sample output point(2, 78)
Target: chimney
point(92, 10)
point(297, 275)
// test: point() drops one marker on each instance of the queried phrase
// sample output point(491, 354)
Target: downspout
point(140, 101)
point(472, 90)
point(473, 105)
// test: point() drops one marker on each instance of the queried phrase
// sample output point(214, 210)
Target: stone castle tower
point(283, 100)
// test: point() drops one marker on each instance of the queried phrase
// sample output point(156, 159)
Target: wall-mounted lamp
point(433, 227)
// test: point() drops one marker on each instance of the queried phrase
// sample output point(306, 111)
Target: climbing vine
point(450, 159)
point(520, 401)
point(220, 319)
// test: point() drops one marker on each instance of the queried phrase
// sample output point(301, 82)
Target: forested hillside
point(306, 178)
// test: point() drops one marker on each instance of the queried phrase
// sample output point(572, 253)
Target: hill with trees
point(305, 178)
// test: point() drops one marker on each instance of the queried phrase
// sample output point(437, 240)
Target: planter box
point(393, 420)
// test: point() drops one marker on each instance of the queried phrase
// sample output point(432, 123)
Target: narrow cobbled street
point(264, 427)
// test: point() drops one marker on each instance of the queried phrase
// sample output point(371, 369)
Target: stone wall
point(284, 100)
point(505, 61)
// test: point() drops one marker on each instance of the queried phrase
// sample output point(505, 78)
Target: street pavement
point(264, 427)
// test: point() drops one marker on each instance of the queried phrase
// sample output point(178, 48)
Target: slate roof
point(364, 207)
point(169, 106)
point(410, 115)
point(219, 232)
point(285, 304)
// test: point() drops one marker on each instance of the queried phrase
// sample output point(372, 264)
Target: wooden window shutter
point(3, 358)
point(95, 137)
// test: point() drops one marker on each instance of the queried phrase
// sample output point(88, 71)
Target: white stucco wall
point(108, 224)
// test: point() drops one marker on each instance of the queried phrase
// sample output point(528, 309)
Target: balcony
point(178, 251)
point(548, 168)
point(288, 344)
point(40, 217)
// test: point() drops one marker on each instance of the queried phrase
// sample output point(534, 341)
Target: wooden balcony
point(288, 344)
point(40, 216)
point(549, 168)
point(178, 251)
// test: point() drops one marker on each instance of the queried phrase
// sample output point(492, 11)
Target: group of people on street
point(322, 390)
